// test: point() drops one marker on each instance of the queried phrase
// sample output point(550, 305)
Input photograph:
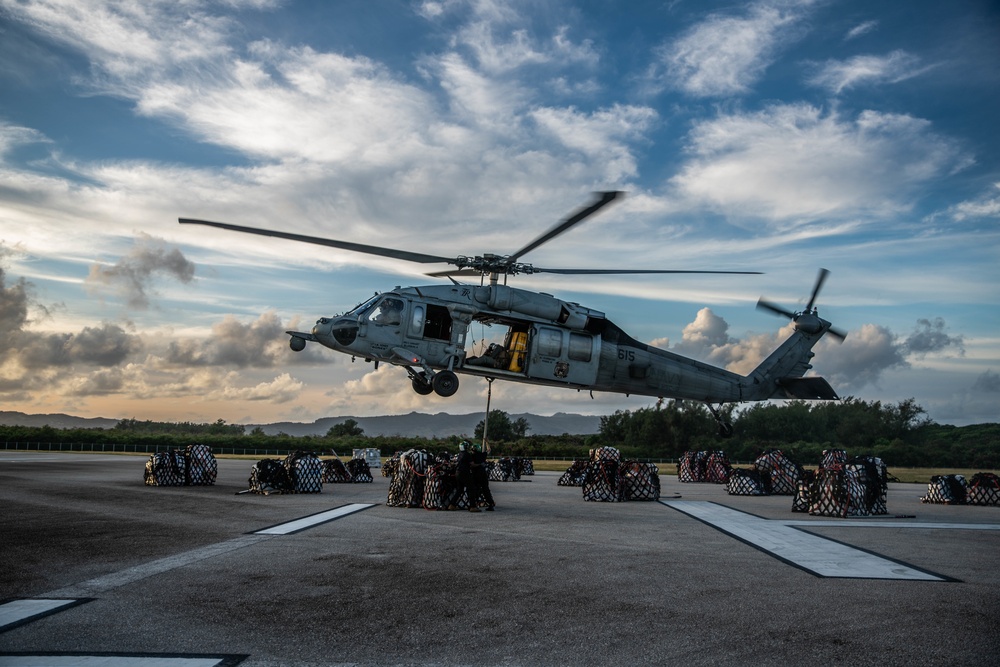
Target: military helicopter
point(544, 340)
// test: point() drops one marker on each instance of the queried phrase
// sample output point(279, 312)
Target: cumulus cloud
point(930, 336)
point(726, 55)
point(793, 163)
point(132, 275)
point(839, 75)
point(859, 361)
point(988, 382)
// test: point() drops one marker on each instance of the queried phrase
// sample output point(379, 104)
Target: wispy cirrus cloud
point(726, 54)
point(867, 70)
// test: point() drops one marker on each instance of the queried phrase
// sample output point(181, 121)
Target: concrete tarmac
point(97, 568)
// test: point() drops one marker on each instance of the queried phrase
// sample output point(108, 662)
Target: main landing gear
point(443, 383)
point(725, 427)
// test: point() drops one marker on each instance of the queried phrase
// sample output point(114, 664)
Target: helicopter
point(542, 339)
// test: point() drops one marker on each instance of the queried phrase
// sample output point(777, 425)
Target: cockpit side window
point(363, 307)
point(389, 312)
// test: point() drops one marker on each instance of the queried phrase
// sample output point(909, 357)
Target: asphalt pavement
point(97, 568)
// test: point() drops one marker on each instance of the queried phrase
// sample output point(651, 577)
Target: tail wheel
point(445, 383)
point(421, 387)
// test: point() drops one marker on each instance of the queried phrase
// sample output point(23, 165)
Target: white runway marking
point(823, 557)
point(99, 660)
point(16, 612)
point(314, 520)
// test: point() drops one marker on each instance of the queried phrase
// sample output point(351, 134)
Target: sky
point(778, 136)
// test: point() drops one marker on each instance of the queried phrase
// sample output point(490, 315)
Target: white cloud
point(725, 55)
point(839, 75)
point(861, 29)
point(793, 163)
point(985, 206)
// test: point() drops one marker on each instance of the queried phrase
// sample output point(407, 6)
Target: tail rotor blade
point(774, 308)
point(820, 279)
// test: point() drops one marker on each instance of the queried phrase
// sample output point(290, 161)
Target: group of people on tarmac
point(471, 477)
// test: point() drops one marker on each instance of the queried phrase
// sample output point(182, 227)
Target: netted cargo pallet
point(717, 468)
point(575, 474)
point(867, 485)
point(200, 465)
point(269, 476)
point(335, 472)
point(525, 466)
point(305, 472)
point(946, 489)
point(390, 466)
point(439, 485)
point(984, 489)
point(782, 472)
point(602, 482)
point(505, 469)
point(407, 486)
point(800, 503)
point(640, 481)
point(691, 466)
point(828, 494)
point(165, 469)
point(744, 482)
point(360, 471)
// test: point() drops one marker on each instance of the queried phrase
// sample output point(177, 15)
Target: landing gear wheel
point(725, 430)
point(445, 383)
point(421, 387)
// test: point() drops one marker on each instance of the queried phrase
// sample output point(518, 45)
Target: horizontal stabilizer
point(808, 388)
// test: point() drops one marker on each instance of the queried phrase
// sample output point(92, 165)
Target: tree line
point(898, 433)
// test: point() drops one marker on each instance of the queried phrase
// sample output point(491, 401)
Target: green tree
point(347, 428)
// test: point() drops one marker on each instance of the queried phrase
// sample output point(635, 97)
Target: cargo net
point(691, 467)
point(439, 486)
point(984, 489)
point(527, 467)
point(505, 469)
point(609, 479)
point(947, 489)
point(269, 476)
point(335, 472)
point(360, 471)
point(406, 489)
point(195, 466)
point(165, 469)
point(857, 489)
point(299, 472)
point(782, 472)
point(833, 459)
point(575, 474)
point(748, 482)
point(800, 503)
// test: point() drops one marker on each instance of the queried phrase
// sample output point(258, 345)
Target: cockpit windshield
point(363, 308)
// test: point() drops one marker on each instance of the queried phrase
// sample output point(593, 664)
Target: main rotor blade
point(343, 245)
point(604, 198)
point(536, 269)
point(820, 279)
point(767, 305)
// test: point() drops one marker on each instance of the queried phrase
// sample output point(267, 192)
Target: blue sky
point(773, 136)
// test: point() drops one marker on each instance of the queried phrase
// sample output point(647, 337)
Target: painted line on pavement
point(812, 553)
point(305, 522)
point(15, 613)
point(61, 659)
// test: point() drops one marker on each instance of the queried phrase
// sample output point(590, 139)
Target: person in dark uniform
point(481, 475)
point(464, 479)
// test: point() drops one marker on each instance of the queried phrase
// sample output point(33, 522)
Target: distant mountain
point(415, 424)
point(55, 421)
point(441, 425)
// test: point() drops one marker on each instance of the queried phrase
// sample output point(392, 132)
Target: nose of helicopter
point(336, 332)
